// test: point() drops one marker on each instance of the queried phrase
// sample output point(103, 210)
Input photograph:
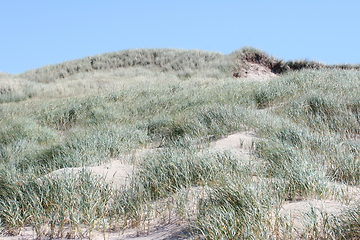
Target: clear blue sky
point(35, 33)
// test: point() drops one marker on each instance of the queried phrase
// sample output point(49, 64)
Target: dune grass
point(89, 111)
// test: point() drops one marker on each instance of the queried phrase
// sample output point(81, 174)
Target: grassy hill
point(89, 111)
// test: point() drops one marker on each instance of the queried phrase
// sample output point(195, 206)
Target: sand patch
point(254, 71)
point(314, 212)
point(240, 144)
point(115, 172)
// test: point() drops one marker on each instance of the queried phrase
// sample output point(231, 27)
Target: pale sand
point(116, 172)
point(257, 72)
point(240, 144)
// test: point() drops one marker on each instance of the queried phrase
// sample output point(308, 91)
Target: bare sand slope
point(257, 72)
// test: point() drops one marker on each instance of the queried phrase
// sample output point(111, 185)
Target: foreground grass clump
point(107, 107)
point(52, 202)
point(237, 209)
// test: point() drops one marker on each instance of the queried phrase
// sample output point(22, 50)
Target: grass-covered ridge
point(160, 59)
point(165, 60)
point(176, 103)
point(100, 72)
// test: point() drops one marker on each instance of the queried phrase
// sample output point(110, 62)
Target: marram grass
point(92, 110)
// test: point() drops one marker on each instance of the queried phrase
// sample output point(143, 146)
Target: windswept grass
point(88, 111)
